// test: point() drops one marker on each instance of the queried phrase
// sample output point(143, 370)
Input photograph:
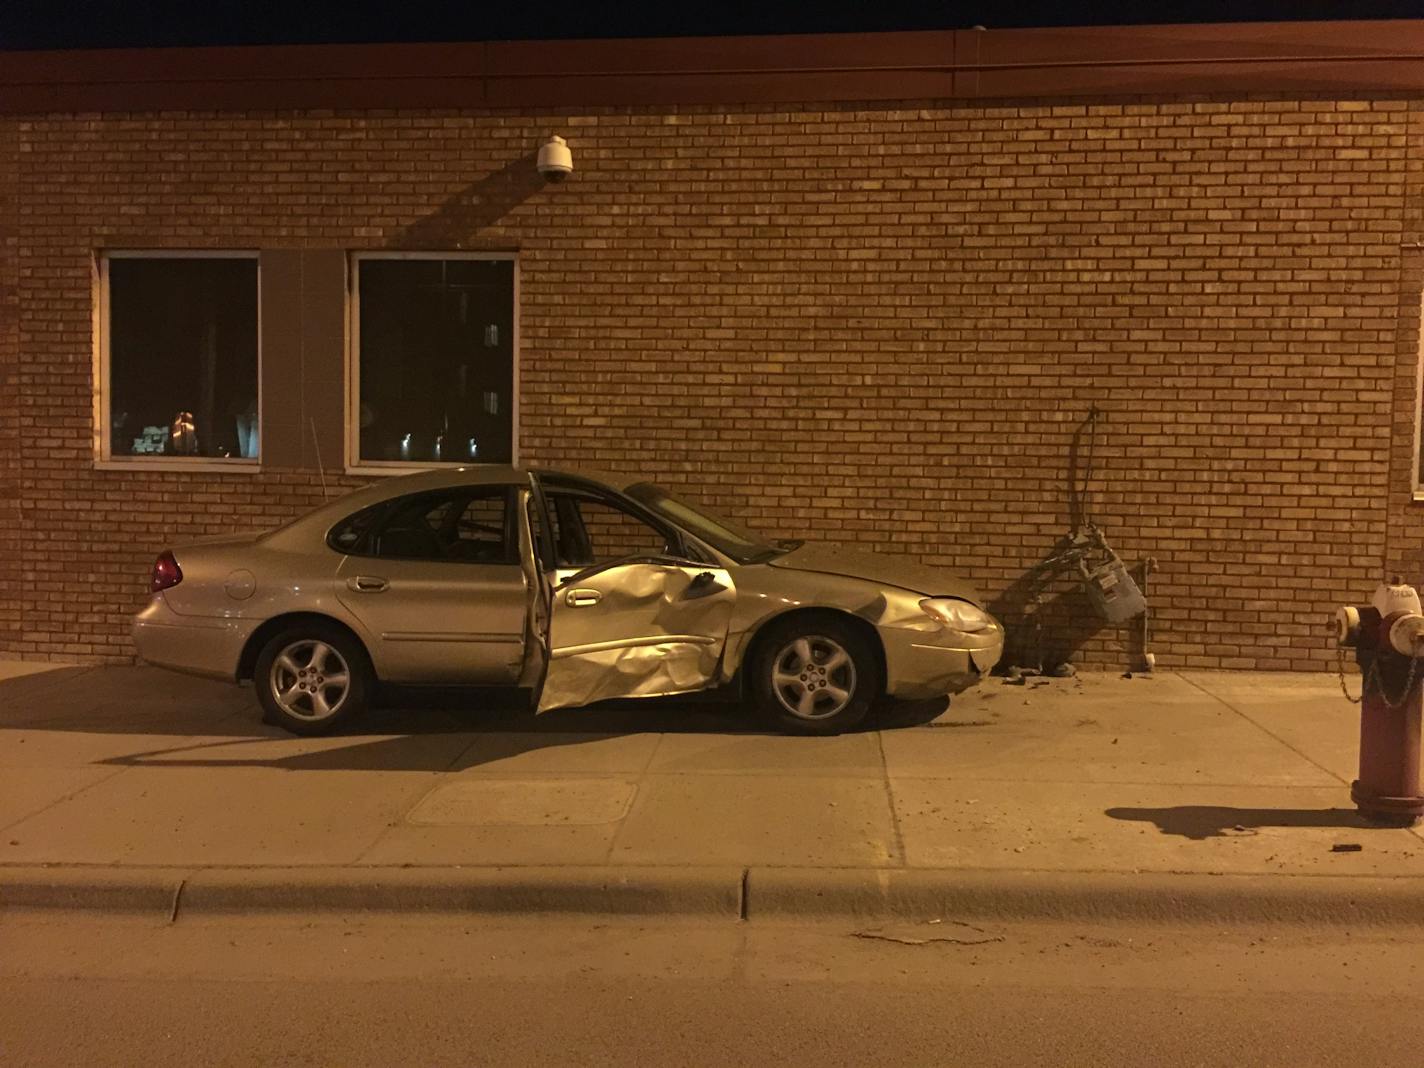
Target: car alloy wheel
point(813, 677)
point(310, 680)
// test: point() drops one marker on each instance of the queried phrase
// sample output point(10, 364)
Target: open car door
point(643, 624)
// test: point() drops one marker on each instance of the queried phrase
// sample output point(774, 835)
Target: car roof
point(490, 475)
point(325, 516)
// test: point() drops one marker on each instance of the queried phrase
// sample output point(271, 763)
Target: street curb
point(690, 892)
point(113, 890)
point(700, 892)
point(910, 893)
point(725, 893)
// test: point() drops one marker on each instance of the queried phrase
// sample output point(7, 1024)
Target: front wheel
point(816, 676)
point(310, 679)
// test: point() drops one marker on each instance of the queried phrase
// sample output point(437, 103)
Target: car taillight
point(166, 573)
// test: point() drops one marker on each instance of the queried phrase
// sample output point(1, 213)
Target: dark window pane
point(481, 532)
point(588, 531)
point(461, 526)
point(352, 534)
point(183, 357)
point(437, 360)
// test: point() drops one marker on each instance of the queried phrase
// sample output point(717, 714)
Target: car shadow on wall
point(144, 717)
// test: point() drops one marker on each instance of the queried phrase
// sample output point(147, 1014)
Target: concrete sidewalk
point(129, 769)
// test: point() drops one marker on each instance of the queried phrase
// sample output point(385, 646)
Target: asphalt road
point(438, 992)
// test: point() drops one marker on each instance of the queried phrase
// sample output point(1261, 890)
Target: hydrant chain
point(1340, 658)
point(1410, 681)
point(1409, 684)
point(1343, 687)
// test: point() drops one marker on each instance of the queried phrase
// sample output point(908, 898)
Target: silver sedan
point(575, 587)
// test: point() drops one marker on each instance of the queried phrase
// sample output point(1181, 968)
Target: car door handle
point(582, 598)
point(366, 584)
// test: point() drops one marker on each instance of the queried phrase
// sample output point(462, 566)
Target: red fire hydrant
point(1388, 638)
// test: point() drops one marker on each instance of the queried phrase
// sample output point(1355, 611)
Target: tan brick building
point(859, 286)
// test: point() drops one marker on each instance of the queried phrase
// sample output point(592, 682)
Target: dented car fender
point(766, 594)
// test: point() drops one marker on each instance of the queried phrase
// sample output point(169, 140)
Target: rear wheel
point(311, 678)
point(815, 676)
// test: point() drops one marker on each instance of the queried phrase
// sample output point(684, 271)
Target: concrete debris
point(1346, 847)
point(960, 934)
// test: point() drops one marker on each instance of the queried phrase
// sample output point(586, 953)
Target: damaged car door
point(628, 612)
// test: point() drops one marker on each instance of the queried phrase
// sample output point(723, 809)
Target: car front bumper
point(923, 662)
point(197, 645)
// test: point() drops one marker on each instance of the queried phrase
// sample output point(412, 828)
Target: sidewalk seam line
point(899, 841)
point(456, 758)
point(177, 899)
point(400, 821)
point(1264, 730)
point(61, 800)
point(637, 791)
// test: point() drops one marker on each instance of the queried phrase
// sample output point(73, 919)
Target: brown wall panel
point(282, 427)
point(303, 358)
point(323, 334)
point(1096, 61)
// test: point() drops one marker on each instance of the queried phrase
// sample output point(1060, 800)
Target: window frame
point(683, 545)
point(353, 463)
point(384, 509)
point(104, 460)
point(1416, 477)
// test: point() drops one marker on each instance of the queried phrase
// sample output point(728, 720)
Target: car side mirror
point(703, 584)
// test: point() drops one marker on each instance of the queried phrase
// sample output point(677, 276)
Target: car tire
point(311, 678)
point(815, 675)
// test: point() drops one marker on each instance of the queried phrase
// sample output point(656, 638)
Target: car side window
point(468, 525)
point(353, 532)
point(482, 533)
point(590, 530)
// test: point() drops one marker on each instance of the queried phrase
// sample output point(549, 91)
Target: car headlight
point(961, 615)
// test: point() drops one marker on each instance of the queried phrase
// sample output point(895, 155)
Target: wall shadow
point(480, 204)
point(1200, 822)
point(1047, 616)
point(891, 714)
point(448, 731)
point(145, 717)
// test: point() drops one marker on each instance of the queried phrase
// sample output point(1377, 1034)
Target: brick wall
point(1406, 517)
point(885, 324)
point(10, 513)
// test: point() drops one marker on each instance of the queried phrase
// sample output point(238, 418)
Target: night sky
point(26, 24)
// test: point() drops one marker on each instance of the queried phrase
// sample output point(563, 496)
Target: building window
point(178, 357)
point(433, 374)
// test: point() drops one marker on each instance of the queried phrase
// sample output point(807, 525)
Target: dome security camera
point(556, 162)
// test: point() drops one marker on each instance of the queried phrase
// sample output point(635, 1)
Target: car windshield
point(726, 537)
